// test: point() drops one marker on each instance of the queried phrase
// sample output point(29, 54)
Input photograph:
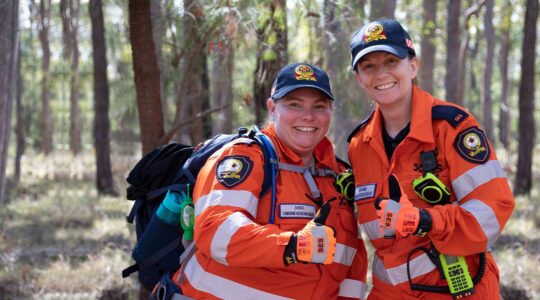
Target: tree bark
point(453, 32)
point(488, 71)
point(46, 117)
point(462, 58)
point(104, 180)
point(271, 54)
point(146, 74)
point(427, 44)
point(69, 10)
point(222, 74)
point(523, 180)
point(382, 9)
point(504, 111)
point(20, 126)
point(158, 32)
point(9, 55)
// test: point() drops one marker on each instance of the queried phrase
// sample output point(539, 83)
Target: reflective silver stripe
point(344, 254)
point(224, 233)
point(379, 271)
point(221, 287)
point(418, 266)
point(372, 229)
point(475, 177)
point(351, 288)
point(241, 199)
point(485, 216)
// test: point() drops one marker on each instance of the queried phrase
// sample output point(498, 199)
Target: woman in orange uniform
point(427, 181)
point(240, 254)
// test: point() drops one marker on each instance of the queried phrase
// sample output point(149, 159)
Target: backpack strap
point(308, 173)
point(270, 167)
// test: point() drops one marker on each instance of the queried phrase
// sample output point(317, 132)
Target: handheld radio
point(428, 187)
point(345, 184)
point(457, 275)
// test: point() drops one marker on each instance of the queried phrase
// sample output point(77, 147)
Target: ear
point(358, 79)
point(415, 66)
point(270, 105)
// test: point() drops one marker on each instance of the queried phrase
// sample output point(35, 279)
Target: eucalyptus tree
point(104, 180)
point(9, 55)
point(527, 127)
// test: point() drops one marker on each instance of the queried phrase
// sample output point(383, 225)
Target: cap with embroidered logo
point(381, 35)
point(300, 75)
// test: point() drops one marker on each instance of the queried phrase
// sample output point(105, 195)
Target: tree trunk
point(523, 181)
point(9, 55)
point(462, 57)
point(104, 180)
point(504, 110)
point(158, 32)
point(46, 118)
point(222, 75)
point(20, 127)
point(427, 44)
point(488, 71)
point(192, 98)
point(146, 74)
point(69, 10)
point(453, 32)
point(382, 9)
point(271, 52)
point(336, 64)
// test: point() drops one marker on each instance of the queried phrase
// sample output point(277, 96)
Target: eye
point(321, 107)
point(392, 61)
point(294, 105)
point(366, 67)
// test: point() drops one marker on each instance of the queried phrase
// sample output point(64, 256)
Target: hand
point(400, 217)
point(315, 243)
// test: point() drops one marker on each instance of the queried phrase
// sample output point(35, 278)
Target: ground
point(60, 240)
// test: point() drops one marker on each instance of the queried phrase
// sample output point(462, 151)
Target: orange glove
point(315, 243)
point(400, 217)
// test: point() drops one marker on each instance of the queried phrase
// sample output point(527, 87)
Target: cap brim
point(284, 91)
point(396, 50)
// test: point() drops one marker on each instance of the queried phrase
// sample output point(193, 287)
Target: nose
point(308, 114)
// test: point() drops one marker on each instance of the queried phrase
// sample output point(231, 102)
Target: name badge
point(365, 191)
point(297, 211)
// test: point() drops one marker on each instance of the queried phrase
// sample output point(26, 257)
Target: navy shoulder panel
point(452, 114)
point(362, 124)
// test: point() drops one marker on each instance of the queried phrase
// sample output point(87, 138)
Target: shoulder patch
point(453, 115)
point(472, 145)
point(362, 125)
point(233, 170)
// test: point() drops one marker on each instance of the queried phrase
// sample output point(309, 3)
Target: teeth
point(386, 86)
point(306, 129)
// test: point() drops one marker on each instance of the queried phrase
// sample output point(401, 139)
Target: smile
point(385, 86)
point(305, 129)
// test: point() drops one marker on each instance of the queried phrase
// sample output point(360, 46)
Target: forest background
point(88, 86)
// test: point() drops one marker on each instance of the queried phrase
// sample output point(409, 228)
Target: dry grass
point(60, 240)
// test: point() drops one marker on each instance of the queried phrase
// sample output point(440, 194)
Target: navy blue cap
point(300, 75)
point(381, 35)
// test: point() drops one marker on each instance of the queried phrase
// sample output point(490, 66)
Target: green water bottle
point(187, 218)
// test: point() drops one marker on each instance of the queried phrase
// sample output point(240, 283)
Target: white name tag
point(365, 191)
point(297, 211)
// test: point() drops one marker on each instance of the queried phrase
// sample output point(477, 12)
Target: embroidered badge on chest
point(233, 170)
point(471, 144)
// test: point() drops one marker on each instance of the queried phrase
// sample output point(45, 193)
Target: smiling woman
point(304, 249)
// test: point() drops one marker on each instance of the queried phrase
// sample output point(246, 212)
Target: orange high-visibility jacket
point(240, 256)
point(481, 199)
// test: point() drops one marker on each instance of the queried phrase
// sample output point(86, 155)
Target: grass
point(60, 240)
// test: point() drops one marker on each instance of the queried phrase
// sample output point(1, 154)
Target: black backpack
point(173, 167)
